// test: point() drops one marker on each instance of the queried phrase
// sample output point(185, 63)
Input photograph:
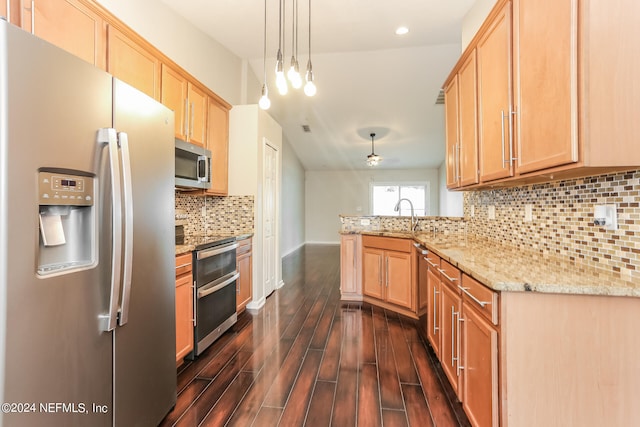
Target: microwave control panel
point(64, 189)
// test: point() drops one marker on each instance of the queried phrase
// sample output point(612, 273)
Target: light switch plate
point(528, 213)
point(492, 212)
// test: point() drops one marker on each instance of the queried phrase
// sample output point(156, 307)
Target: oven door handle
point(206, 253)
point(217, 285)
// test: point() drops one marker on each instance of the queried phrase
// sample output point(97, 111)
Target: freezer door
point(145, 371)
point(52, 350)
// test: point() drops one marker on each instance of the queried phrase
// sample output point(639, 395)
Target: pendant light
point(294, 71)
point(281, 81)
point(310, 87)
point(264, 102)
point(373, 159)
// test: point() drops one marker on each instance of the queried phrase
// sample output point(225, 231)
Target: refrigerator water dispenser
point(66, 218)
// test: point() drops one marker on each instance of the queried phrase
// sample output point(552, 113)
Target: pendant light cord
point(264, 50)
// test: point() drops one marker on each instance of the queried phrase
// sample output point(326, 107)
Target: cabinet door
point(494, 99)
point(480, 361)
point(398, 278)
point(434, 307)
point(348, 265)
point(132, 63)
point(545, 55)
point(69, 25)
point(423, 293)
point(449, 355)
point(451, 132)
point(372, 271)
point(174, 96)
point(468, 117)
point(184, 316)
point(197, 116)
point(244, 283)
point(218, 144)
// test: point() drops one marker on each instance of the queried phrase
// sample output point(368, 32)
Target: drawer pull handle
point(470, 295)
point(183, 265)
point(432, 264)
point(451, 279)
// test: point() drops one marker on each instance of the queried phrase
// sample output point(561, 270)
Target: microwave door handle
point(203, 169)
point(123, 141)
point(108, 322)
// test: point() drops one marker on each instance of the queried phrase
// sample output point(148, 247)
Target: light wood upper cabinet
point(468, 122)
point(197, 117)
point(174, 96)
point(495, 125)
point(461, 127)
point(218, 144)
point(10, 9)
point(70, 25)
point(130, 62)
point(188, 102)
point(546, 83)
point(451, 131)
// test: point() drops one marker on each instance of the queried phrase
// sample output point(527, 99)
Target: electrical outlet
point(204, 211)
point(472, 211)
point(365, 221)
point(528, 213)
point(492, 212)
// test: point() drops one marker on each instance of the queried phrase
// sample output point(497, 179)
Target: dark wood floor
point(307, 359)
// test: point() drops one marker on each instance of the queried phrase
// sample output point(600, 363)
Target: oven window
point(215, 308)
point(215, 267)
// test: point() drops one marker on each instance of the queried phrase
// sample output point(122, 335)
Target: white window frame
point(427, 192)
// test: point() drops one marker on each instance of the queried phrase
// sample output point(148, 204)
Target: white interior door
point(269, 218)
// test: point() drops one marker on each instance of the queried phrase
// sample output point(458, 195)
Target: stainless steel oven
point(215, 275)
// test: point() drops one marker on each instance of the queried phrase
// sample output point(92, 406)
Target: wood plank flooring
point(307, 359)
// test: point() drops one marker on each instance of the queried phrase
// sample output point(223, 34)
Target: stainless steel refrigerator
point(87, 281)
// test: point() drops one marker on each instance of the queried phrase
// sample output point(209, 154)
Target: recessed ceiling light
point(400, 31)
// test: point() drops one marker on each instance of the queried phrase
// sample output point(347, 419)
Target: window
point(384, 197)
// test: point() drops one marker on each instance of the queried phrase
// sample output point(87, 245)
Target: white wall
point(331, 193)
point(451, 202)
point(200, 55)
point(474, 19)
point(292, 200)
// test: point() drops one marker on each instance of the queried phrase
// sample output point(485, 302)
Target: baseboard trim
point(293, 250)
point(280, 285)
point(256, 305)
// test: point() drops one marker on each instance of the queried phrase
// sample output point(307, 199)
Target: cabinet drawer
point(450, 275)
point(184, 279)
point(244, 246)
point(433, 261)
point(387, 243)
point(183, 263)
point(483, 299)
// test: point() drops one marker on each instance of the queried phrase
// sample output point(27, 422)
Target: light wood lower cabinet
point(69, 24)
point(351, 267)
point(450, 310)
point(244, 284)
point(388, 273)
point(434, 297)
point(184, 306)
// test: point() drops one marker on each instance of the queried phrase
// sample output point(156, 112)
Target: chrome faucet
point(414, 221)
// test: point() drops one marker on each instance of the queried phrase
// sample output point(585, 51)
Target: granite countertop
point(190, 246)
point(503, 267)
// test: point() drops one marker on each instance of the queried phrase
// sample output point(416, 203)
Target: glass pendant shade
point(373, 159)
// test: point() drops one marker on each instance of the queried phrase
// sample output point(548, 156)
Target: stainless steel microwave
point(193, 166)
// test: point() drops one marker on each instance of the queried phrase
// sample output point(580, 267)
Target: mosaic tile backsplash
point(562, 220)
point(213, 215)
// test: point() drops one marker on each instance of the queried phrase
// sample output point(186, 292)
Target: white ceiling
point(368, 78)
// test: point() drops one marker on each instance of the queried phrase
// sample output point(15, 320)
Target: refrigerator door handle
point(123, 142)
point(108, 136)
